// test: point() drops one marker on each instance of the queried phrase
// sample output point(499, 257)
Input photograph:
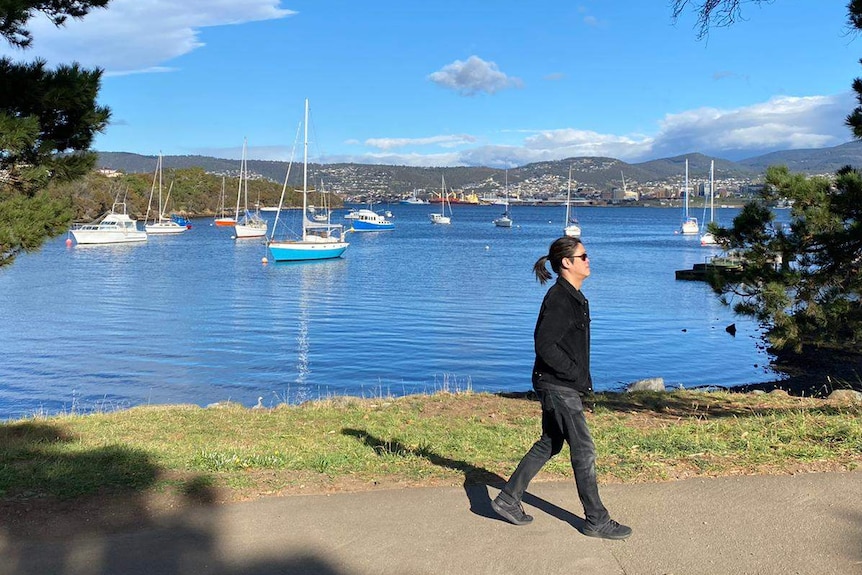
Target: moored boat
point(442, 218)
point(161, 223)
point(367, 220)
point(689, 225)
point(247, 224)
point(318, 241)
point(115, 227)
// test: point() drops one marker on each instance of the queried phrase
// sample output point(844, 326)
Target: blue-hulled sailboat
point(319, 240)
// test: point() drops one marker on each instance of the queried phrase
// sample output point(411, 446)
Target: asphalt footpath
point(798, 524)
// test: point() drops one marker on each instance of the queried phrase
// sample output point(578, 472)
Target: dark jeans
point(563, 420)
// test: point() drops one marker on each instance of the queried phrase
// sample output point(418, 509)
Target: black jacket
point(562, 340)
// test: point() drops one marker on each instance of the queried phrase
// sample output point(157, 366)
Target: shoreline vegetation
point(113, 468)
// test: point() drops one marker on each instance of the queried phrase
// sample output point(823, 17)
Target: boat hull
point(91, 237)
point(306, 251)
point(225, 222)
point(366, 220)
point(503, 222)
point(250, 231)
point(690, 227)
point(165, 228)
point(360, 226)
point(708, 239)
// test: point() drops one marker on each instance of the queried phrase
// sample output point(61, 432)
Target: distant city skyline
point(449, 84)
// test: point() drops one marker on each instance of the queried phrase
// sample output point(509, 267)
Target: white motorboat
point(116, 227)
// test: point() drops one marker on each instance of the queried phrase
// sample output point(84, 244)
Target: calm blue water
point(197, 318)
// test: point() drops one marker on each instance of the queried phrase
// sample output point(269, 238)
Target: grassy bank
point(229, 453)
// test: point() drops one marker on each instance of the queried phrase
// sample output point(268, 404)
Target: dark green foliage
point(14, 15)
point(193, 193)
point(48, 119)
point(803, 281)
point(27, 221)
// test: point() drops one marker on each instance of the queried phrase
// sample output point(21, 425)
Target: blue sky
point(451, 83)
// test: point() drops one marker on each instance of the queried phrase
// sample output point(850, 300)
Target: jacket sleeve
point(555, 320)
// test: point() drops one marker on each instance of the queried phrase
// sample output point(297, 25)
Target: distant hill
point(599, 172)
point(810, 161)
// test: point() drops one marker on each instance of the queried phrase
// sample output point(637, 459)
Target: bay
point(199, 318)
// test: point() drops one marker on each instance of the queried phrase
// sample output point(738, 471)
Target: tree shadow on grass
point(476, 479)
point(66, 510)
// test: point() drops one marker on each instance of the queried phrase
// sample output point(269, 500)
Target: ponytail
point(541, 271)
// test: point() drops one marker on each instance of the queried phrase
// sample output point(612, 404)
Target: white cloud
point(409, 159)
point(473, 76)
point(132, 36)
point(442, 141)
point(783, 122)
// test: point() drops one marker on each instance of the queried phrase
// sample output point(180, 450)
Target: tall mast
point(241, 168)
point(712, 190)
point(686, 189)
point(305, 171)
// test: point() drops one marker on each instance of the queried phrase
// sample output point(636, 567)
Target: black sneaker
point(511, 512)
point(610, 530)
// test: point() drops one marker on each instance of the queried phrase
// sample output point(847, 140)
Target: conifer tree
point(802, 281)
point(48, 119)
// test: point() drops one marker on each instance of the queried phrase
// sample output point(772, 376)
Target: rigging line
point(286, 178)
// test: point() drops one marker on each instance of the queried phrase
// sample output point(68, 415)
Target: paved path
point(802, 524)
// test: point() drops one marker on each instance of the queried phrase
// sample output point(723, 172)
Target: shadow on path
point(67, 510)
point(476, 479)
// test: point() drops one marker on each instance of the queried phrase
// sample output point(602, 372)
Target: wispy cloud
point(134, 36)
point(728, 75)
point(589, 19)
point(474, 76)
point(447, 141)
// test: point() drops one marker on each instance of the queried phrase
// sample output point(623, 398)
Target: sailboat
point(442, 218)
point(706, 238)
point(689, 223)
point(323, 215)
point(505, 220)
point(249, 225)
point(222, 217)
point(162, 224)
point(571, 227)
point(319, 241)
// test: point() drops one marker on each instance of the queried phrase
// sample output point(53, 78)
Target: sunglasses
point(583, 257)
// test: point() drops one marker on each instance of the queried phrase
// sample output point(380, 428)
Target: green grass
point(232, 453)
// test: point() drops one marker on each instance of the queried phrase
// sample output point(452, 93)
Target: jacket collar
point(572, 290)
